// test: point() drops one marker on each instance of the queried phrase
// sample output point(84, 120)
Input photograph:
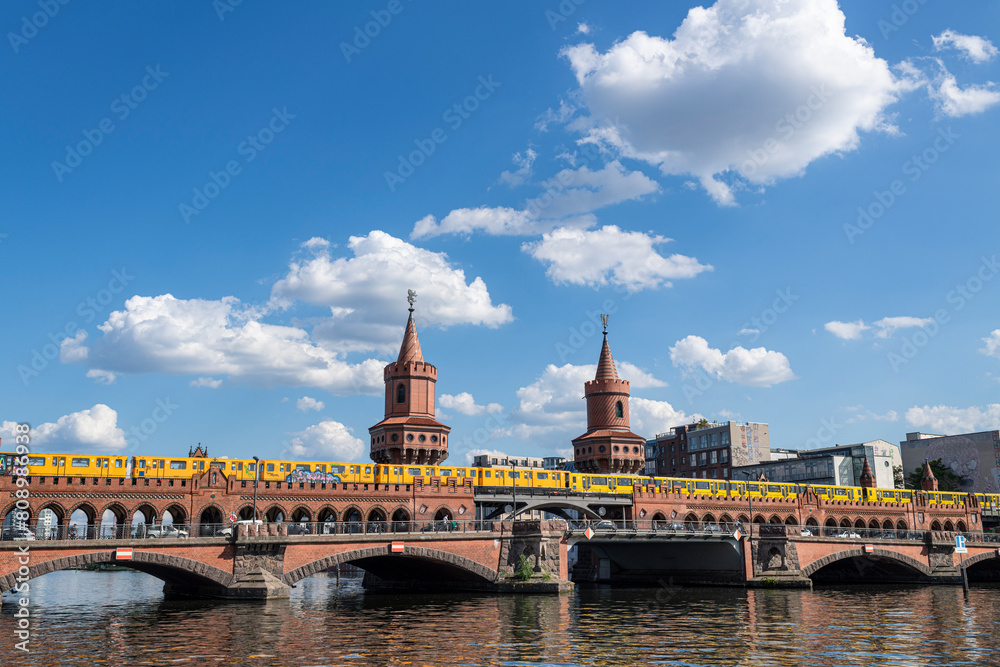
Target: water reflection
point(122, 618)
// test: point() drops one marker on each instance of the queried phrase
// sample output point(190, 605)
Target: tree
point(947, 480)
point(703, 423)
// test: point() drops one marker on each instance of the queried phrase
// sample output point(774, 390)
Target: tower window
point(401, 393)
point(619, 411)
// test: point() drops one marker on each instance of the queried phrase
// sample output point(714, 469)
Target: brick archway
point(481, 572)
point(901, 559)
point(980, 557)
point(171, 569)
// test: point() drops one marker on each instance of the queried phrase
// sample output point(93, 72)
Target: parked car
point(299, 529)
point(228, 530)
point(850, 534)
point(605, 525)
point(671, 526)
point(17, 533)
point(806, 532)
point(165, 531)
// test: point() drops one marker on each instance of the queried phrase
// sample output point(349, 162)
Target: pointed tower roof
point(410, 349)
point(606, 366)
point(867, 476)
point(928, 472)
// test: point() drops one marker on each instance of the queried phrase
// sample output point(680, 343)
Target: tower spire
point(410, 349)
point(606, 364)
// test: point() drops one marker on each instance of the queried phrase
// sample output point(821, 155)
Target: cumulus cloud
point(163, 334)
point(327, 441)
point(951, 421)
point(307, 403)
point(762, 87)
point(650, 417)
point(364, 292)
point(950, 99)
point(465, 404)
point(567, 201)
point(756, 367)
point(92, 430)
point(554, 401)
point(102, 376)
point(610, 256)
point(211, 383)
point(992, 341)
point(977, 49)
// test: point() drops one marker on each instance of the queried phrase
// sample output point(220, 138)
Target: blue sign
point(960, 545)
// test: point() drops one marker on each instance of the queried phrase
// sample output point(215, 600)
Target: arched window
point(619, 411)
point(401, 393)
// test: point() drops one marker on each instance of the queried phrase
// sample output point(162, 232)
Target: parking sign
point(960, 545)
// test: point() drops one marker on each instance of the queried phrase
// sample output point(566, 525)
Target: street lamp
point(513, 492)
point(747, 474)
point(256, 476)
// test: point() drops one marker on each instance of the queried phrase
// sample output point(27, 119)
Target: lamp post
point(513, 492)
point(256, 476)
point(747, 474)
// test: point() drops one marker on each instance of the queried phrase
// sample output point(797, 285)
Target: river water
point(121, 618)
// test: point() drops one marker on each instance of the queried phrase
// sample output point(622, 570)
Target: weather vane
point(410, 296)
point(604, 321)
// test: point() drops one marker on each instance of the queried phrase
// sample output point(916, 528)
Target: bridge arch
point(273, 512)
point(300, 513)
point(961, 527)
point(168, 568)
point(377, 560)
point(88, 510)
point(983, 566)
point(326, 513)
point(178, 515)
point(899, 559)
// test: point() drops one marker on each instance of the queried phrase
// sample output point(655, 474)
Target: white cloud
point(763, 87)
point(649, 417)
point(327, 441)
point(865, 415)
point(756, 367)
point(954, 101)
point(211, 383)
point(992, 341)
point(977, 49)
point(364, 293)
point(524, 170)
point(952, 421)
point(883, 328)
point(466, 404)
point(164, 334)
point(102, 376)
point(554, 402)
point(889, 325)
point(307, 403)
point(92, 430)
point(748, 332)
point(610, 255)
point(568, 199)
point(583, 29)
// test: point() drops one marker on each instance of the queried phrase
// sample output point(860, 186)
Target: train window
point(336, 469)
point(303, 467)
point(599, 481)
point(486, 474)
point(368, 470)
point(118, 463)
point(142, 463)
point(515, 475)
point(36, 460)
point(413, 471)
point(527, 475)
point(773, 488)
point(80, 463)
point(55, 461)
point(62, 461)
point(753, 487)
point(701, 485)
point(270, 467)
point(543, 475)
point(446, 472)
point(178, 465)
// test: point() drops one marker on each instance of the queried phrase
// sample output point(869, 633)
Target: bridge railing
point(226, 530)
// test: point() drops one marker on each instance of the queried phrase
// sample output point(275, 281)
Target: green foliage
point(769, 582)
point(947, 480)
point(523, 571)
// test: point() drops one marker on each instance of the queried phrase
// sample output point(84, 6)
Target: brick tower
point(608, 446)
point(409, 433)
point(928, 482)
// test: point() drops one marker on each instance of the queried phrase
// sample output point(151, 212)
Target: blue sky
point(212, 214)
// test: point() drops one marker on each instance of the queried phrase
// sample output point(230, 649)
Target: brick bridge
point(780, 551)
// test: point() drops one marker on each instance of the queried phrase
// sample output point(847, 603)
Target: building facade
point(841, 465)
point(975, 457)
point(707, 452)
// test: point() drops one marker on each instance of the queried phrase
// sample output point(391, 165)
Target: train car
point(168, 467)
point(989, 502)
point(243, 470)
point(891, 496)
point(324, 472)
point(601, 483)
point(71, 465)
point(945, 498)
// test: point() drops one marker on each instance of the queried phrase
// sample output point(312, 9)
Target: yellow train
point(282, 470)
